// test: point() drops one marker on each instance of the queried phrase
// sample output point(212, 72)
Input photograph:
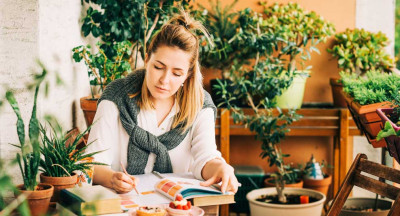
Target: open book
point(154, 190)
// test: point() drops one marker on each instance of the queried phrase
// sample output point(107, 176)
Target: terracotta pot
point(59, 183)
point(39, 199)
point(367, 119)
point(89, 107)
point(319, 185)
point(269, 183)
point(337, 88)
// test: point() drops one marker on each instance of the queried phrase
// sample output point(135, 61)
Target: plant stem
point(154, 23)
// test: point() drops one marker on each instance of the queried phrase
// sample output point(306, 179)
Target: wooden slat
point(306, 112)
point(375, 186)
point(379, 170)
point(224, 134)
point(343, 154)
point(395, 210)
point(336, 164)
point(345, 188)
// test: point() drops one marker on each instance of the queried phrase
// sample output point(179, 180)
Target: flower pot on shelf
point(59, 183)
point(38, 200)
point(393, 142)
point(269, 182)
point(258, 208)
point(292, 97)
point(337, 88)
point(318, 185)
point(367, 119)
point(89, 107)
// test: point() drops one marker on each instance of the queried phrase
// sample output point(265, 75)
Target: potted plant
point(301, 32)
point(364, 95)
point(222, 24)
point(258, 83)
point(314, 177)
point(38, 195)
point(61, 158)
point(390, 119)
point(101, 71)
point(358, 51)
point(6, 185)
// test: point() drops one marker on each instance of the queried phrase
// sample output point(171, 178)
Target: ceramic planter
point(38, 200)
point(367, 119)
point(89, 107)
point(393, 142)
point(59, 183)
point(318, 185)
point(337, 88)
point(382, 204)
point(293, 96)
point(269, 183)
point(261, 208)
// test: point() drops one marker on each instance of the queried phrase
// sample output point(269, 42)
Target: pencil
point(123, 169)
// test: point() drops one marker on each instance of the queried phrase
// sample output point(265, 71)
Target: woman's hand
point(123, 183)
point(216, 171)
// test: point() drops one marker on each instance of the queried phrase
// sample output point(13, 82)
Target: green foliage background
point(397, 35)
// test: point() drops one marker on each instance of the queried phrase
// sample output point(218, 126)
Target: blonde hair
point(180, 31)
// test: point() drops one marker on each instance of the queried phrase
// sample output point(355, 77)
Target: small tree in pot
point(258, 84)
point(101, 71)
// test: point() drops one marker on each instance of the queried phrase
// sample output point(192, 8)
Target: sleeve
point(103, 134)
point(203, 145)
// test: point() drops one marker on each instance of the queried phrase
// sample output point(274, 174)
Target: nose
point(164, 78)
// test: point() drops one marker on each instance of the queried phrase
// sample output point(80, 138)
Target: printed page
point(189, 188)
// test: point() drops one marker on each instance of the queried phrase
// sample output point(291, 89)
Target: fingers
point(209, 182)
point(225, 181)
point(122, 183)
point(135, 181)
point(233, 184)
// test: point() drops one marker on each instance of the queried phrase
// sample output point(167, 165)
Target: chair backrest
point(355, 176)
point(72, 134)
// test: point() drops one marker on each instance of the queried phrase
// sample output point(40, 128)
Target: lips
point(161, 89)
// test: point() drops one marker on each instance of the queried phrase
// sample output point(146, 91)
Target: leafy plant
point(258, 83)
point(300, 30)
point(28, 159)
point(135, 21)
point(6, 185)
point(359, 51)
point(397, 35)
point(388, 129)
point(101, 69)
point(61, 158)
point(375, 87)
point(221, 22)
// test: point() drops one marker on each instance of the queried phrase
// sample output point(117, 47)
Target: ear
point(146, 58)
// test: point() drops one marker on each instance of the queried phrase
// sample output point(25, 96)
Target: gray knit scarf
point(142, 142)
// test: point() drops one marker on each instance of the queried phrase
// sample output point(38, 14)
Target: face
point(166, 71)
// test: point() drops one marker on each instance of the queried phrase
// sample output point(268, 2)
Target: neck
point(163, 103)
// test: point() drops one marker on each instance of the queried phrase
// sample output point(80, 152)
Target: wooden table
point(334, 122)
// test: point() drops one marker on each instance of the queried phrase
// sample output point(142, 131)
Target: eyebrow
point(165, 65)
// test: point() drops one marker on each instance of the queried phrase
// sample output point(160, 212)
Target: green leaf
point(20, 123)
point(387, 131)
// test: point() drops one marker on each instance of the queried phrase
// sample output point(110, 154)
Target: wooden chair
point(72, 134)
point(355, 177)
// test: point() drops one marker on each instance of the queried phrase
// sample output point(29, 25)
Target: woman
point(160, 118)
